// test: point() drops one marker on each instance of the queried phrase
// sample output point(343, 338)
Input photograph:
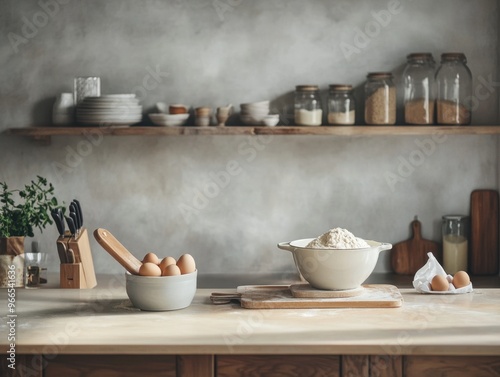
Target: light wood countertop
point(101, 320)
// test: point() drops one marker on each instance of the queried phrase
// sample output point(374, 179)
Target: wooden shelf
point(45, 133)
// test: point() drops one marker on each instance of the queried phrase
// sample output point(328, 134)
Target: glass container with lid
point(419, 88)
point(308, 107)
point(455, 245)
point(380, 99)
point(454, 89)
point(341, 105)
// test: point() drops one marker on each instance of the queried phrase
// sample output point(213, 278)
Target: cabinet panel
point(195, 366)
point(279, 365)
point(452, 366)
point(110, 366)
point(355, 366)
point(25, 366)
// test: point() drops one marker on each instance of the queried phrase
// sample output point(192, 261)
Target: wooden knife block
point(81, 274)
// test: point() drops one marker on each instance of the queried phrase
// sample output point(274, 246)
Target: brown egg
point(166, 262)
point(149, 269)
point(461, 279)
point(439, 283)
point(186, 264)
point(171, 270)
point(150, 257)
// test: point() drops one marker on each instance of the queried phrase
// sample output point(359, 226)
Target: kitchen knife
point(61, 250)
point(80, 213)
point(74, 217)
point(76, 220)
point(77, 211)
point(71, 225)
point(57, 220)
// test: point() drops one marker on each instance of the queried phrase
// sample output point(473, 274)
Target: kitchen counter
point(102, 321)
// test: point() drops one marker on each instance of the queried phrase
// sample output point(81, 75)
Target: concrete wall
point(169, 194)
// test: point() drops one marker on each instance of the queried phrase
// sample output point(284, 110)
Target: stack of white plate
point(109, 110)
point(254, 112)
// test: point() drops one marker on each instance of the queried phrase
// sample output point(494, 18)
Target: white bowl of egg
point(163, 284)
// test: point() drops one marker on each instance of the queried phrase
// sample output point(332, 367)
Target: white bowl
point(161, 293)
point(168, 120)
point(334, 269)
point(271, 120)
point(260, 104)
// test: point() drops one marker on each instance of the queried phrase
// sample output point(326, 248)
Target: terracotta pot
point(12, 246)
point(11, 262)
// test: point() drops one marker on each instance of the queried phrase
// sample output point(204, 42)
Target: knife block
point(80, 274)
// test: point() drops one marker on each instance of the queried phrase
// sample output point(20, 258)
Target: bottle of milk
point(455, 235)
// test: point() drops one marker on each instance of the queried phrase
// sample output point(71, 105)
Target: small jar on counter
point(341, 105)
point(380, 99)
point(308, 107)
point(454, 89)
point(419, 88)
point(455, 243)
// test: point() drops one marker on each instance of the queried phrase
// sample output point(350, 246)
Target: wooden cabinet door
point(277, 365)
point(110, 366)
point(452, 366)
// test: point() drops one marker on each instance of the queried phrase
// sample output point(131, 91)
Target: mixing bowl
point(160, 293)
point(334, 269)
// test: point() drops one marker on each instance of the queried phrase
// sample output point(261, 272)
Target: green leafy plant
point(31, 211)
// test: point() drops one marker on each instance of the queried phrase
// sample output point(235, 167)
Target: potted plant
point(19, 216)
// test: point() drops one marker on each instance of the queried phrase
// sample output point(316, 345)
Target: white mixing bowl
point(334, 269)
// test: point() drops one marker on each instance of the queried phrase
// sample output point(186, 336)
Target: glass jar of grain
point(419, 88)
point(380, 98)
point(454, 89)
point(341, 105)
point(455, 235)
point(308, 107)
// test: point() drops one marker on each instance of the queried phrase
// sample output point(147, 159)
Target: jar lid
point(455, 217)
point(379, 75)
point(307, 88)
point(420, 56)
point(341, 87)
point(449, 56)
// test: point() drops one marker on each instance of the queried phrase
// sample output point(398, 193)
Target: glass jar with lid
point(308, 107)
point(455, 245)
point(380, 98)
point(419, 88)
point(454, 89)
point(341, 105)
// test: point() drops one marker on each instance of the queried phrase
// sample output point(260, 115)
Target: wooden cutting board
point(280, 297)
point(407, 257)
point(483, 248)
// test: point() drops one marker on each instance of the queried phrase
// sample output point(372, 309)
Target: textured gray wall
point(281, 187)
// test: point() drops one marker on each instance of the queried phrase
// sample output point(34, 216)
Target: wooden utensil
point(483, 248)
point(280, 297)
point(407, 257)
point(117, 251)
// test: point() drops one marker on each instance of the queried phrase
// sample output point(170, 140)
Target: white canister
point(63, 111)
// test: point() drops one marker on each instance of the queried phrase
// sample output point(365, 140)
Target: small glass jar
point(419, 88)
point(454, 90)
point(455, 244)
point(308, 107)
point(341, 105)
point(380, 99)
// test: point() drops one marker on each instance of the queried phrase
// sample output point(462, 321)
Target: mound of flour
point(337, 238)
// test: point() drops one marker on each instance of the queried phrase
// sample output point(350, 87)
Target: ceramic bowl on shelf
point(161, 293)
point(168, 120)
point(271, 120)
point(334, 269)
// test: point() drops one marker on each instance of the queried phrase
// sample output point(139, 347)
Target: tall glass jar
point(454, 89)
point(308, 107)
point(455, 245)
point(419, 88)
point(341, 105)
point(380, 99)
